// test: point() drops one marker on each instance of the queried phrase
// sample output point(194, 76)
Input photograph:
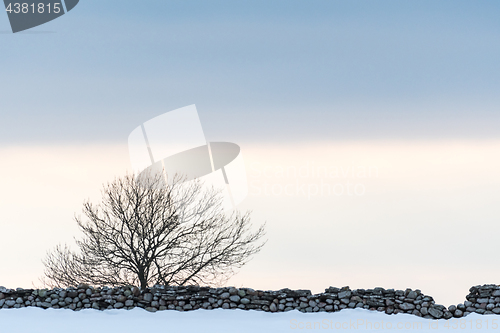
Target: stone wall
point(482, 299)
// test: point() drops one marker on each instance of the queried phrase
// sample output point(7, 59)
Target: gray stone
point(151, 309)
point(490, 307)
point(452, 308)
point(129, 302)
point(233, 291)
point(225, 305)
point(458, 313)
point(19, 300)
point(121, 299)
point(10, 302)
point(188, 307)
point(406, 306)
point(272, 307)
point(148, 297)
point(312, 303)
point(424, 311)
point(45, 305)
point(435, 313)
point(242, 293)
point(344, 294)
point(496, 310)
point(234, 298)
point(244, 301)
point(118, 305)
point(225, 295)
point(496, 293)
point(412, 295)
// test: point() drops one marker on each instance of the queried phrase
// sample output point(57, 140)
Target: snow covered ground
point(36, 320)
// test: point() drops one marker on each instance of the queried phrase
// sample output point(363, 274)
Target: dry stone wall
point(481, 299)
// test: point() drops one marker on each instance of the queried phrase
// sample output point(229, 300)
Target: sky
point(405, 88)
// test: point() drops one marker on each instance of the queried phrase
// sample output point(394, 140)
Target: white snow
point(36, 320)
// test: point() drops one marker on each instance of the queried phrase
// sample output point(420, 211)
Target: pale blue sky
point(408, 87)
point(257, 70)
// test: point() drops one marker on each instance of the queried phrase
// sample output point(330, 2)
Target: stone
point(45, 305)
point(447, 315)
point(118, 305)
point(244, 301)
point(233, 291)
point(344, 294)
point(148, 297)
point(356, 299)
point(412, 294)
point(496, 310)
point(225, 295)
point(458, 313)
point(234, 298)
point(406, 306)
point(377, 304)
point(10, 302)
point(225, 305)
point(435, 313)
point(135, 291)
point(19, 300)
point(151, 309)
point(272, 307)
point(452, 308)
point(496, 293)
point(121, 299)
point(242, 293)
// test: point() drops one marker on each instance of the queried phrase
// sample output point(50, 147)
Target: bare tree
point(146, 231)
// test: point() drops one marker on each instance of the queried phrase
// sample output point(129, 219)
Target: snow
point(36, 320)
